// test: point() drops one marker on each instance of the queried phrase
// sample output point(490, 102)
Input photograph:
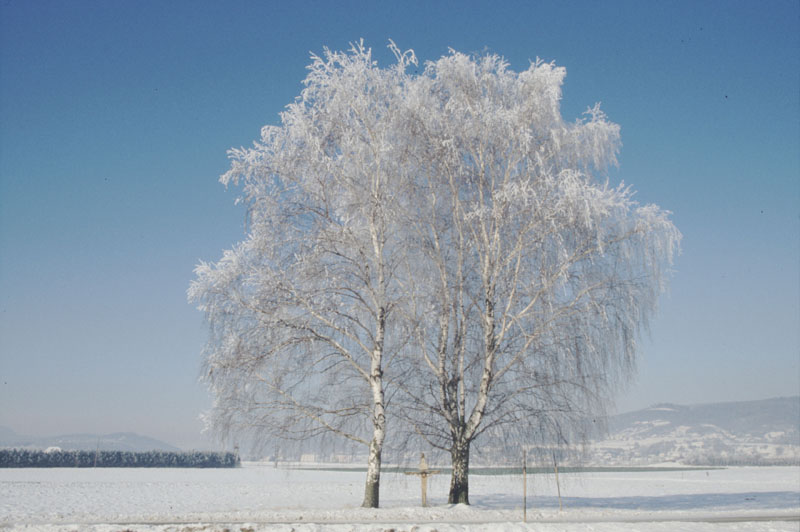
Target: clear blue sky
point(115, 118)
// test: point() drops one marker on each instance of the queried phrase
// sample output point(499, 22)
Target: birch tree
point(533, 277)
point(301, 312)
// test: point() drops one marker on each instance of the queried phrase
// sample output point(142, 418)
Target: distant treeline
point(36, 458)
point(746, 460)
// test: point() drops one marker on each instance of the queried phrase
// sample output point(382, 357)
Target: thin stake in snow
point(423, 475)
point(558, 485)
point(524, 486)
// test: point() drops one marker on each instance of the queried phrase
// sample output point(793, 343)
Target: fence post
point(524, 486)
point(558, 485)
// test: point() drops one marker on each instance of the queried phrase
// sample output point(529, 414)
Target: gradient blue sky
point(115, 118)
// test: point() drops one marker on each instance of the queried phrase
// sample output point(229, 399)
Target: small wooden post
point(423, 475)
point(558, 485)
point(524, 486)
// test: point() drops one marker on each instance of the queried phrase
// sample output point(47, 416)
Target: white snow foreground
point(258, 498)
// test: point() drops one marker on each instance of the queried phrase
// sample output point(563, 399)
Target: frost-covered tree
point(532, 276)
point(301, 312)
point(447, 235)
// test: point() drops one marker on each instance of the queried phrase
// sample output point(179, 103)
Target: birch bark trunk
point(459, 480)
point(373, 482)
point(372, 486)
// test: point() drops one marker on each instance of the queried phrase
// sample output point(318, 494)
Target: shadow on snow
point(697, 501)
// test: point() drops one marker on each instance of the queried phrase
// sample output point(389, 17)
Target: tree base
point(460, 496)
point(459, 481)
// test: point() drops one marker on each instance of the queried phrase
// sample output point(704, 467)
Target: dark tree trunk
point(459, 481)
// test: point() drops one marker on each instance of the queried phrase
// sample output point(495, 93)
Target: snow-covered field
point(264, 498)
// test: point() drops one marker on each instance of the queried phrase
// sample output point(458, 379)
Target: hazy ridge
point(118, 441)
point(748, 432)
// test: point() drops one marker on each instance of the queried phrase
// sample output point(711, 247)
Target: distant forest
point(58, 458)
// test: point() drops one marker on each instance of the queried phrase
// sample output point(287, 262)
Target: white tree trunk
point(373, 482)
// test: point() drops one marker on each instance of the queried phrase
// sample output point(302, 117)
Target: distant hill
point(751, 432)
point(119, 441)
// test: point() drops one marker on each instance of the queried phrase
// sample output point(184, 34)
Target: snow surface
point(263, 498)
